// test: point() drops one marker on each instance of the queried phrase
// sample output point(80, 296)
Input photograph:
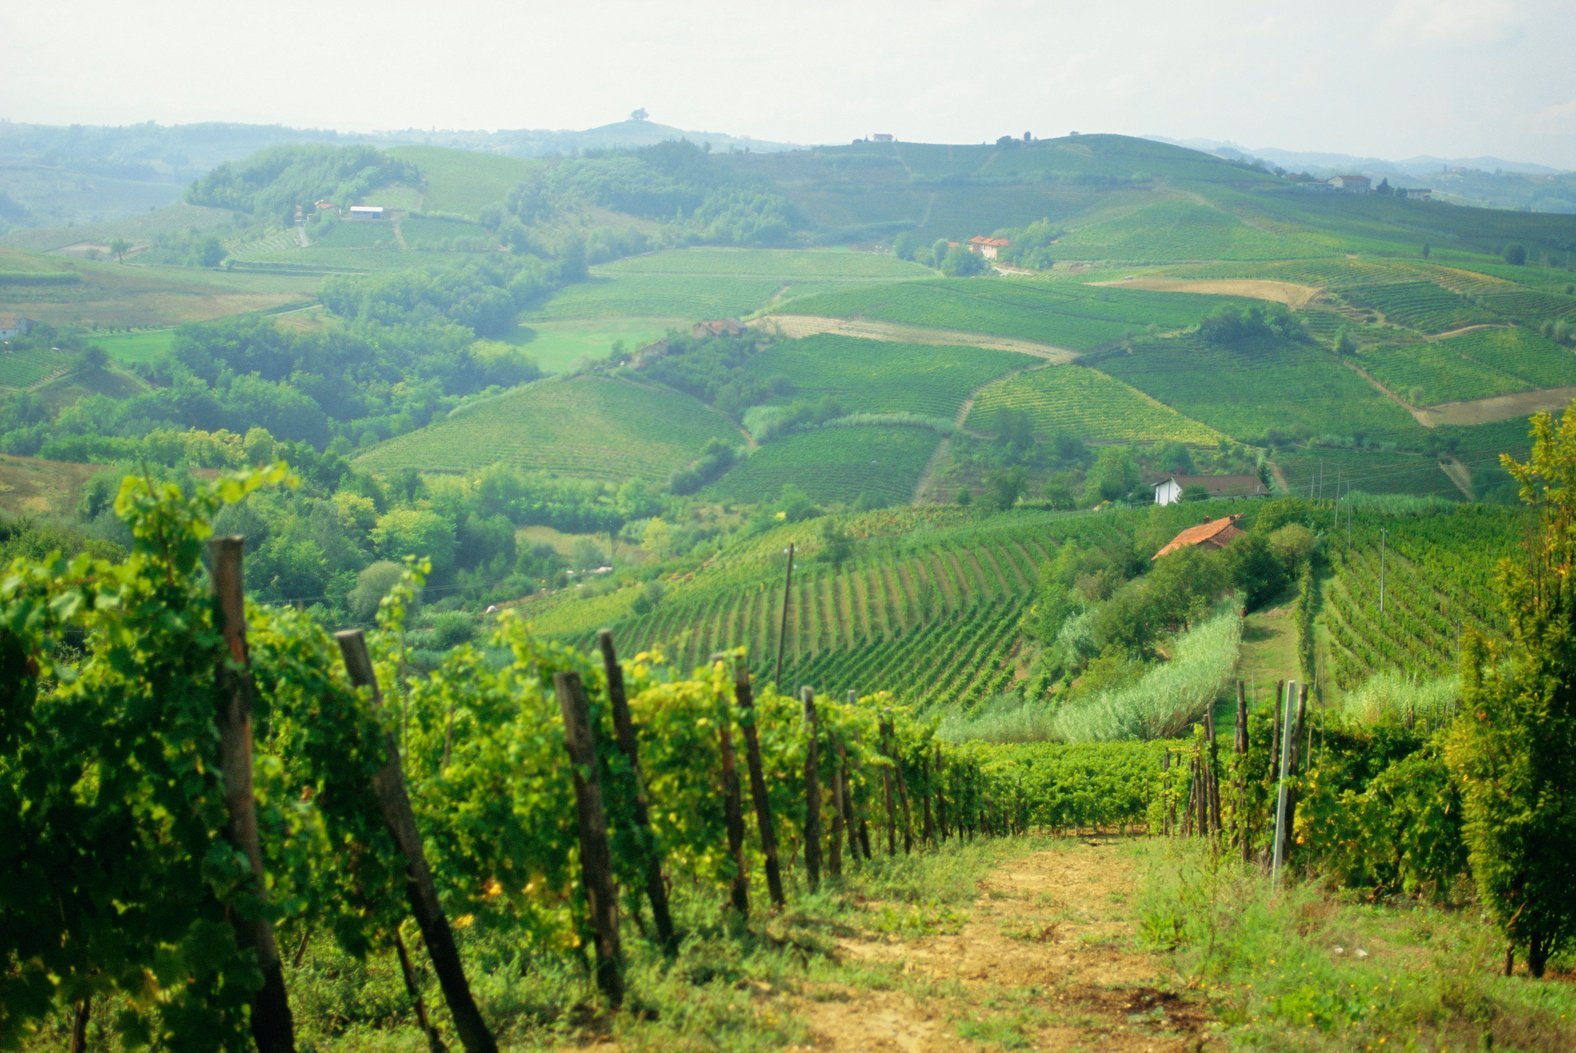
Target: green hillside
point(587, 426)
point(1074, 400)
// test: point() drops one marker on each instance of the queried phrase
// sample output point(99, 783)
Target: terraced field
point(18, 369)
point(587, 426)
point(834, 465)
point(1077, 400)
point(880, 377)
point(1420, 305)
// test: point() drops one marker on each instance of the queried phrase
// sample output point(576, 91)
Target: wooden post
point(886, 784)
point(782, 631)
point(733, 817)
point(388, 786)
point(272, 1027)
point(82, 1014)
point(596, 855)
point(1278, 846)
point(812, 792)
point(412, 988)
point(1240, 748)
point(941, 795)
point(858, 827)
point(628, 744)
point(745, 699)
point(834, 862)
point(1214, 781)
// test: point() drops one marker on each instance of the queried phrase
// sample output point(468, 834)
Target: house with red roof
point(1211, 533)
point(987, 247)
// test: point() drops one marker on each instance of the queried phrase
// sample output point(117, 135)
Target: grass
point(589, 426)
point(1076, 400)
point(693, 297)
point(142, 345)
point(30, 486)
point(464, 182)
point(1303, 968)
point(559, 347)
point(20, 369)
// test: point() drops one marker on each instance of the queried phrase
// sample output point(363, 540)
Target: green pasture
point(463, 182)
point(559, 346)
point(138, 346)
point(1076, 400)
point(833, 465)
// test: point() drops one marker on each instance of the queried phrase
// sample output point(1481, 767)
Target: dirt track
point(1046, 950)
point(1289, 293)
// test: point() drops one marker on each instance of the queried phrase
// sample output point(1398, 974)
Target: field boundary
point(795, 326)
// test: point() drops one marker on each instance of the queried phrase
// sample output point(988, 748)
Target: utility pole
point(782, 631)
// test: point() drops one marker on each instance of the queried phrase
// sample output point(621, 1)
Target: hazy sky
point(1386, 78)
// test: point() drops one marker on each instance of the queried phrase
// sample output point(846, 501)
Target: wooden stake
point(596, 854)
point(272, 1027)
point(434, 1043)
point(812, 792)
point(744, 697)
point(628, 744)
point(733, 819)
point(388, 786)
point(886, 785)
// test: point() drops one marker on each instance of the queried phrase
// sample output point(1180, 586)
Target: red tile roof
point(1214, 533)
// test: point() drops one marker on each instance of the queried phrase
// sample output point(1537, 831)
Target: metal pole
point(782, 632)
point(1280, 793)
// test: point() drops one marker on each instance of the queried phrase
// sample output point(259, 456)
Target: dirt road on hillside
point(800, 325)
point(1045, 959)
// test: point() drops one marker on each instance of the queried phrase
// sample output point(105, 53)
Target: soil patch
point(1501, 407)
point(801, 325)
point(1289, 293)
point(1046, 958)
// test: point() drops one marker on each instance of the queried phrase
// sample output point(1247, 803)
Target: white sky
point(1384, 78)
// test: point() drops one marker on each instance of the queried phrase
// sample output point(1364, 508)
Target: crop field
point(461, 181)
point(558, 346)
point(1163, 229)
point(1529, 306)
point(787, 265)
point(141, 345)
point(1420, 305)
point(1076, 400)
point(1426, 373)
point(1520, 352)
point(874, 376)
point(833, 465)
point(688, 296)
point(1323, 472)
point(18, 369)
point(586, 426)
point(1246, 394)
point(428, 231)
point(1439, 571)
point(1065, 315)
point(356, 234)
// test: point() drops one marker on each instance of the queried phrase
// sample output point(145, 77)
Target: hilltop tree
point(1515, 748)
point(119, 247)
point(638, 114)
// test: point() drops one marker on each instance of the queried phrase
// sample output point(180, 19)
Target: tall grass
point(1396, 697)
point(1161, 704)
point(1166, 699)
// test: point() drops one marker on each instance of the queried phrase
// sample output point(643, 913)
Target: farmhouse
point(366, 211)
point(987, 247)
point(14, 325)
point(1211, 533)
point(719, 327)
point(1169, 491)
point(1352, 184)
point(1415, 193)
point(882, 137)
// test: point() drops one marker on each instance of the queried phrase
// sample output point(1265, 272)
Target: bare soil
point(1289, 293)
point(1047, 953)
point(800, 325)
point(1501, 407)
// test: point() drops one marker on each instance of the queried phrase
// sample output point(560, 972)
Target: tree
point(638, 114)
point(1515, 255)
point(1514, 751)
point(119, 247)
point(959, 262)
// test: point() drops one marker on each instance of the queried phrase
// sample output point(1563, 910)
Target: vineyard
point(1422, 305)
point(1439, 578)
point(498, 805)
point(1429, 373)
point(873, 376)
point(1284, 386)
point(1075, 400)
point(18, 369)
point(1062, 314)
point(835, 464)
point(564, 426)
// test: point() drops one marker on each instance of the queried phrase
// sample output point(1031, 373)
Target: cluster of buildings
point(1361, 184)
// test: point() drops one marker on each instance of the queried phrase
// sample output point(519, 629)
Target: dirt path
point(1289, 293)
point(1468, 329)
point(799, 325)
point(1044, 960)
